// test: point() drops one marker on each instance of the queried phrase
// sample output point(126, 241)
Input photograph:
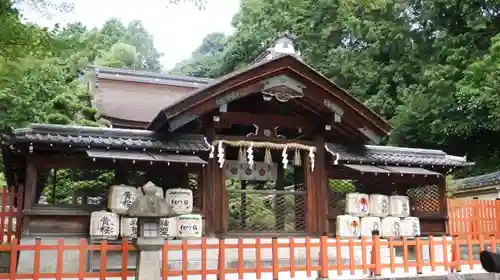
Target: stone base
point(148, 265)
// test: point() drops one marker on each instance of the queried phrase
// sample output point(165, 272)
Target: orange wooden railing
point(476, 217)
point(372, 263)
point(10, 215)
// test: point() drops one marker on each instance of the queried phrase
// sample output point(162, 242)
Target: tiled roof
point(98, 137)
point(485, 180)
point(395, 155)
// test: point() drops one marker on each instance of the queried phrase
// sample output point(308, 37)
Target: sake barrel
point(128, 227)
point(104, 225)
point(369, 224)
point(181, 200)
point(121, 198)
point(410, 227)
point(347, 226)
point(399, 206)
point(379, 205)
point(391, 227)
point(158, 192)
point(357, 204)
point(168, 227)
point(189, 226)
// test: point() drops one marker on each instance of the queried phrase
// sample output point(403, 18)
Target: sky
point(178, 29)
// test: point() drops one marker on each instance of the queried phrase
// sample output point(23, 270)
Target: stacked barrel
point(390, 215)
point(113, 223)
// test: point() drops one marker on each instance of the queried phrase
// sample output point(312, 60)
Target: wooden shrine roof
point(97, 137)
point(132, 99)
point(108, 138)
point(284, 63)
point(387, 155)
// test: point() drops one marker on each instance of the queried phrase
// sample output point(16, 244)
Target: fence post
point(323, 257)
point(375, 255)
point(455, 253)
point(222, 259)
point(475, 217)
point(497, 217)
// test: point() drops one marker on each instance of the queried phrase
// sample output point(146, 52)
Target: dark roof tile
point(107, 138)
point(485, 180)
point(395, 155)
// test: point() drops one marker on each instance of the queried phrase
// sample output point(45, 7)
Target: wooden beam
point(79, 162)
point(261, 119)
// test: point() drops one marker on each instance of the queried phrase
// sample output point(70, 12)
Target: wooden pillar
point(310, 186)
point(442, 195)
point(208, 184)
point(30, 185)
point(321, 181)
point(221, 202)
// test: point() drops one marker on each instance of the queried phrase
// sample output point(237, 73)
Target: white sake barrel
point(347, 226)
point(391, 227)
point(399, 206)
point(168, 227)
point(121, 198)
point(189, 226)
point(128, 227)
point(181, 200)
point(104, 225)
point(158, 192)
point(357, 204)
point(379, 205)
point(368, 224)
point(410, 227)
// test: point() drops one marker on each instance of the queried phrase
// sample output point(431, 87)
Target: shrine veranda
point(271, 150)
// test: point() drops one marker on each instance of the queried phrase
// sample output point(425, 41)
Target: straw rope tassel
point(241, 156)
point(296, 159)
point(268, 159)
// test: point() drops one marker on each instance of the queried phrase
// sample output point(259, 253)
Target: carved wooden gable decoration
point(285, 79)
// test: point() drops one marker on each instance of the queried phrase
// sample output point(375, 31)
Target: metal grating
point(424, 199)
point(338, 189)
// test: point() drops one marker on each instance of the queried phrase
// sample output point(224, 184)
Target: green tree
point(205, 59)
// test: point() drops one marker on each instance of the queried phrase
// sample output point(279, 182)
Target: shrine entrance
point(266, 194)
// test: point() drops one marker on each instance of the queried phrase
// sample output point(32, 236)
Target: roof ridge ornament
point(284, 45)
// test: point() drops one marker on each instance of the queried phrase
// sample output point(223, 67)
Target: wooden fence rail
point(320, 257)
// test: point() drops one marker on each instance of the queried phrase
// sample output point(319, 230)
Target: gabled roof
point(131, 98)
point(256, 73)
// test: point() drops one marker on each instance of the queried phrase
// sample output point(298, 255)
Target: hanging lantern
point(284, 154)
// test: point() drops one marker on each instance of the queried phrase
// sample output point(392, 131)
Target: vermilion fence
point(322, 257)
point(476, 217)
point(10, 217)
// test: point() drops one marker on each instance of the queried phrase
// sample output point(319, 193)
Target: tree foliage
point(429, 67)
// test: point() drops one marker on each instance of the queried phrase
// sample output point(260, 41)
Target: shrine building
point(271, 149)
